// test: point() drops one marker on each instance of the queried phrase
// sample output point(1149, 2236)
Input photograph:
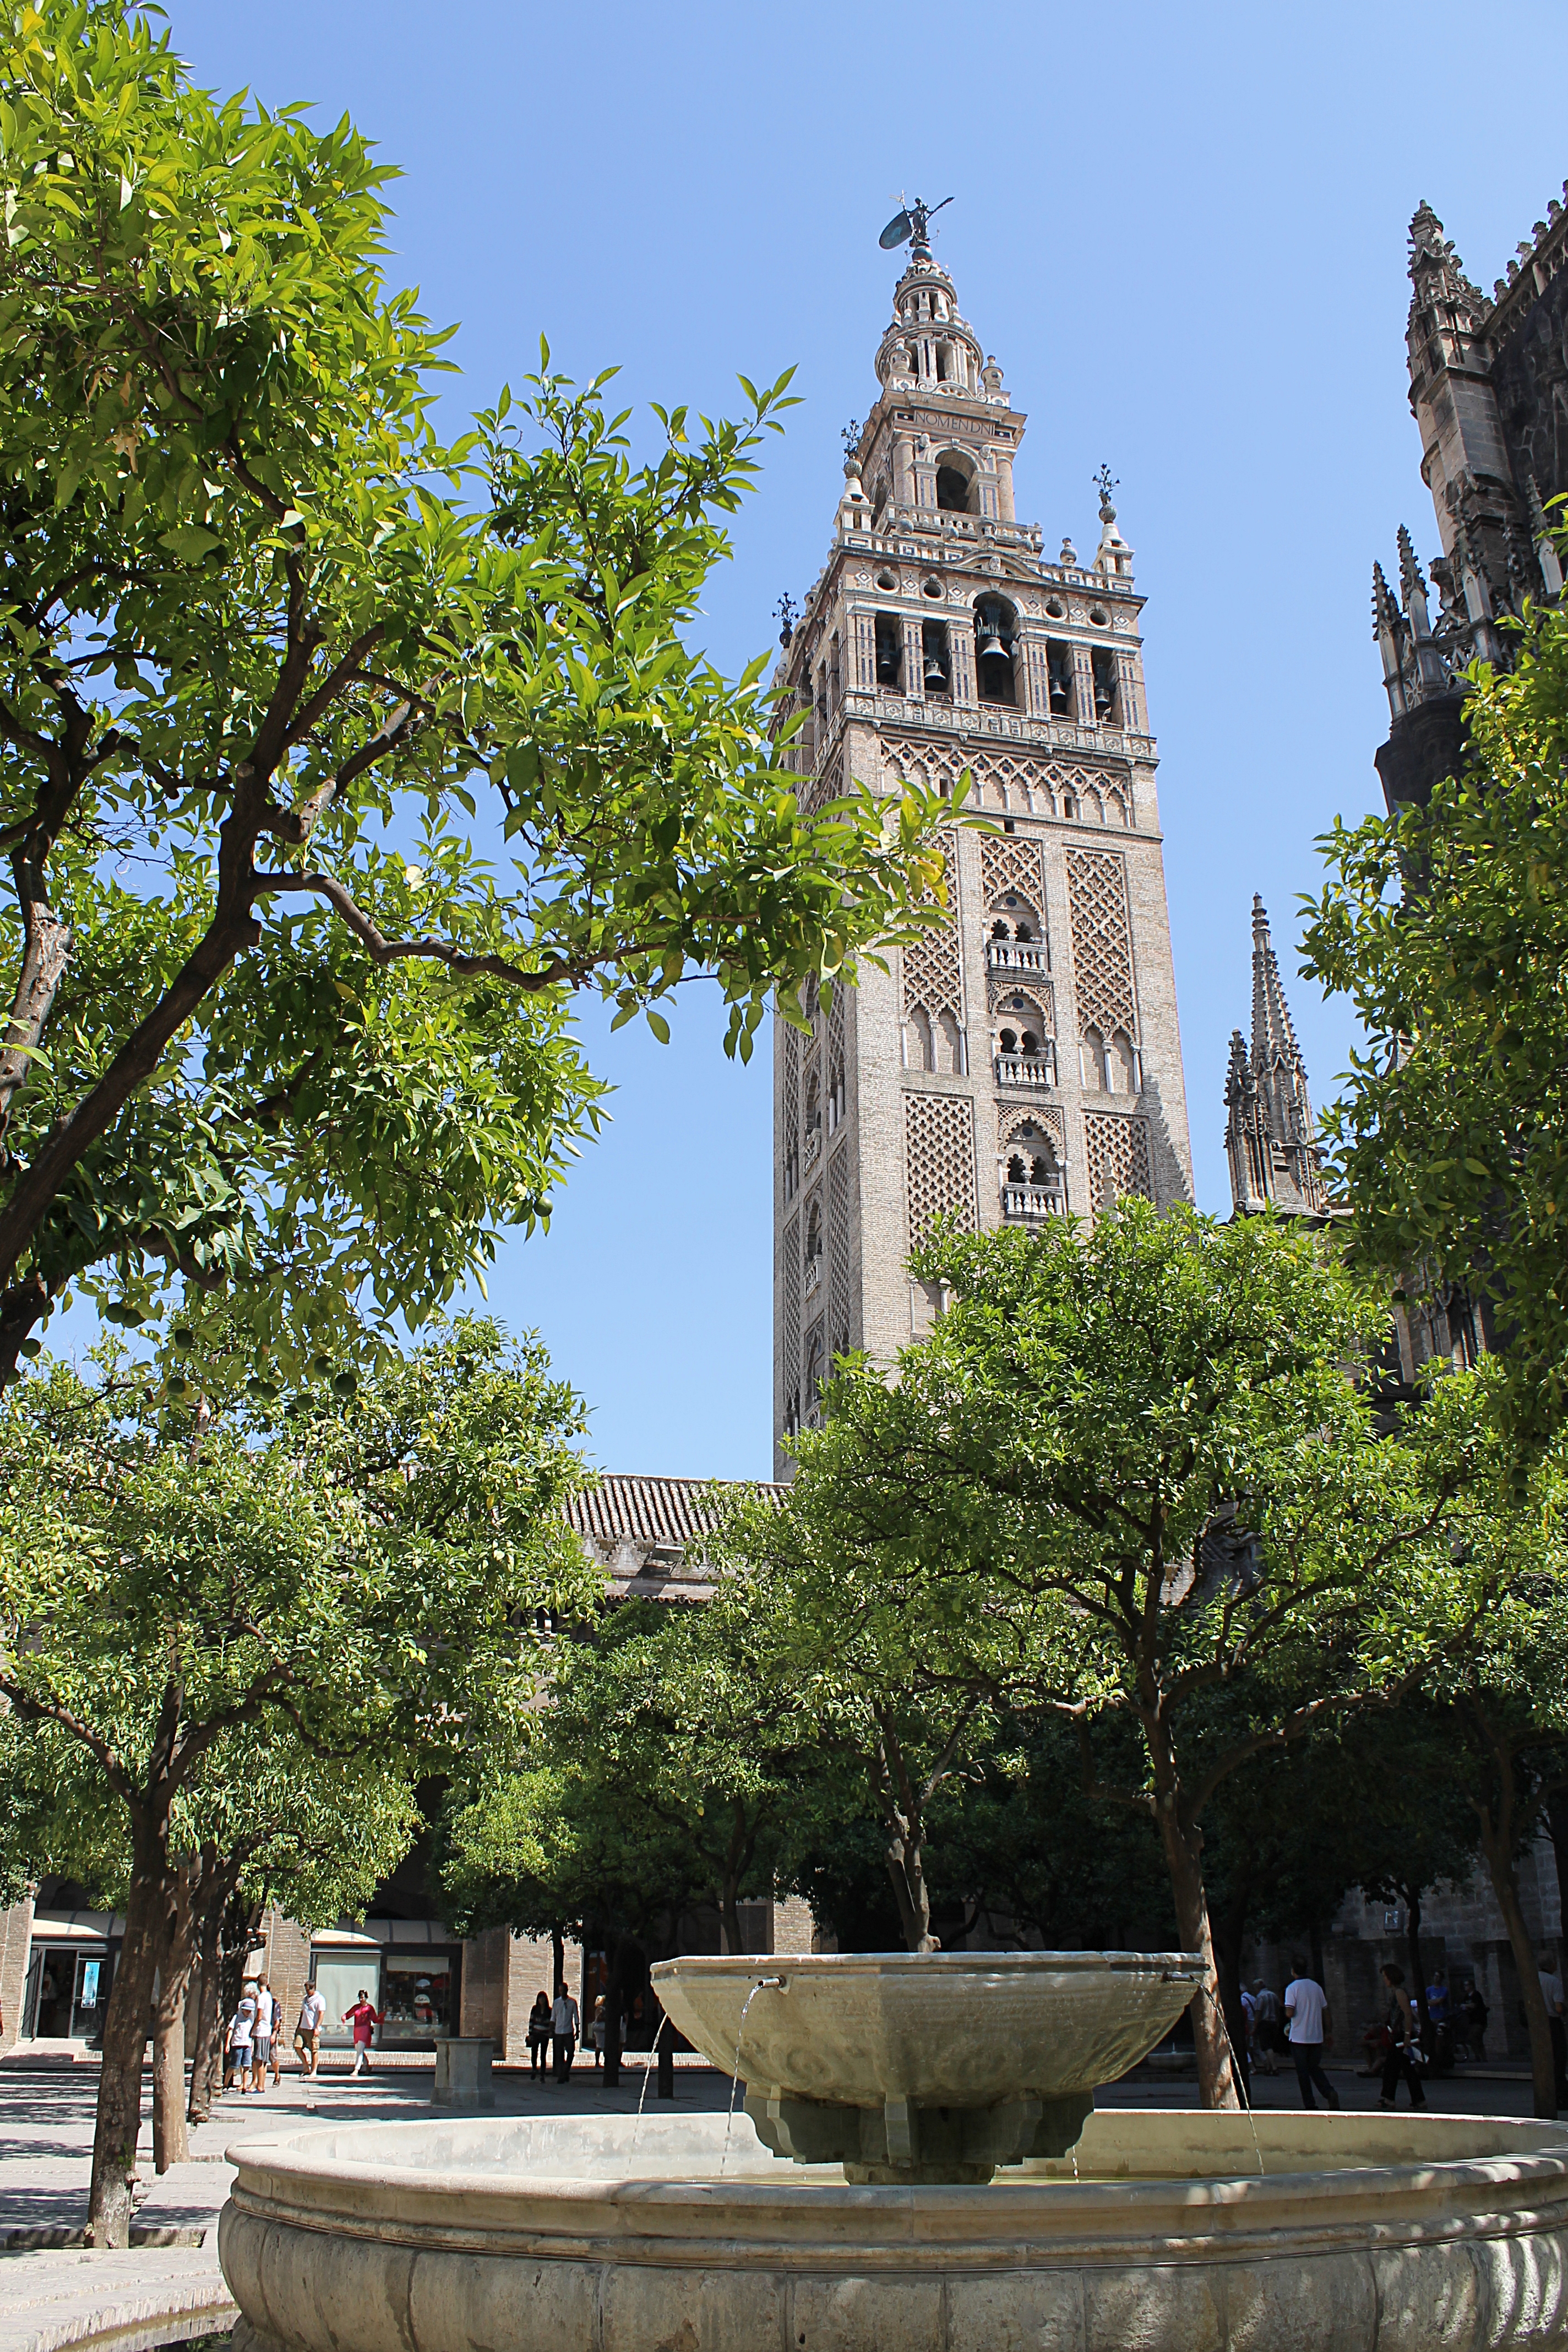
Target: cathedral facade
point(1023, 1060)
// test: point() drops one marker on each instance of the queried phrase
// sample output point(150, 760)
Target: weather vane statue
point(912, 223)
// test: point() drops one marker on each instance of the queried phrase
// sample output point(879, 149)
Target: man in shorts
point(261, 2041)
point(308, 2033)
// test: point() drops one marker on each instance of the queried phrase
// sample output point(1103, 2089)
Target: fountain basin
point(584, 2233)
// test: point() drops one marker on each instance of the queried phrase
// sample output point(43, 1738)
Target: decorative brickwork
point(1011, 861)
point(1011, 1117)
point(838, 1334)
point(939, 1161)
point(1003, 986)
point(1101, 941)
point(1017, 783)
point(933, 972)
point(789, 1300)
point(1118, 1152)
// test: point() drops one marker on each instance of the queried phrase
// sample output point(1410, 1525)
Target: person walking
point(241, 2031)
point(1474, 2019)
point(1310, 2029)
point(1552, 1994)
point(563, 2028)
point(308, 2033)
point(1405, 2054)
point(538, 2032)
point(363, 2020)
point(596, 2034)
point(261, 2040)
point(1266, 2010)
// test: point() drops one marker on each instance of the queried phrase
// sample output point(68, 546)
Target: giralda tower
point(1023, 1061)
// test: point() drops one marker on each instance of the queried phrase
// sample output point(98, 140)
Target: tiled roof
point(671, 1511)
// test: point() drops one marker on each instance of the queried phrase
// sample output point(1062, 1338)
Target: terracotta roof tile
point(668, 1511)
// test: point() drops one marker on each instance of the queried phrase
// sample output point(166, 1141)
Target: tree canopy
point(183, 1593)
point(333, 756)
point(1130, 1473)
point(1448, 928)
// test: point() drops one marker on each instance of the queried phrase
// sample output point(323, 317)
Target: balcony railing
point(1023, 1070)
point(1025, 1201)
point(1015, 955)
point(813, 1273)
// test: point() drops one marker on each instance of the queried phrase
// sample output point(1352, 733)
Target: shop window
point(418, 1995)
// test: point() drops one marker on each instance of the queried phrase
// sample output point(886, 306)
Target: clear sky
point(1181, 230)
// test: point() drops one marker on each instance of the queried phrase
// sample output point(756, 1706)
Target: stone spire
point(1269, 1126)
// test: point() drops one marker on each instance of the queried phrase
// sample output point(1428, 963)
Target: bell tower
point(1023, 1060)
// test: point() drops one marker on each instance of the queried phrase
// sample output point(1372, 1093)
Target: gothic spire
point(1274, 1043)
point(1270, 1124)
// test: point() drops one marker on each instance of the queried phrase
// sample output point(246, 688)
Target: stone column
point(914, 658)
point(16, 1941)
point(1033, 675)
point(1083, 686)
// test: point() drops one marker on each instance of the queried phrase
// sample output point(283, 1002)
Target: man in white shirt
point(308, 2033)
point(1311, 2026)
point(563, 2032)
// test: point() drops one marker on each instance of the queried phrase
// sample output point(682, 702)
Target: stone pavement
point(56, 2296)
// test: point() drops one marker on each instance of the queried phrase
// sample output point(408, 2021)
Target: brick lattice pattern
point(939, 1161)
point(1118, 1152)
point(839, 1252)
point(1012, 862)
point(933, 971)
point(1101, 941)
point(789, 1293)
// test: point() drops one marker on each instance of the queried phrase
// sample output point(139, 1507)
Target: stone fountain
point(918, 2166)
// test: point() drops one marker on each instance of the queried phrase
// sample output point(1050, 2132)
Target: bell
point(991, 644)
point(935, 676)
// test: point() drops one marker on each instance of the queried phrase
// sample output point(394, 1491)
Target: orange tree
point(333, 758)
point(1128, 1474)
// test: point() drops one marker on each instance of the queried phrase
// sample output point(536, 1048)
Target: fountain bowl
point(927, 2066)
point(940, 2029)
point(599, 2233)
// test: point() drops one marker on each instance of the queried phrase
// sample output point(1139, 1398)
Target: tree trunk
point(1557, 1823)
point(1217, 2077)
point(1417, 1968)
point(729, 1913)
point(1228, 1939)
point(906, 1868)
point(207, 2064)
point(119, 2119)
point(182, 1930)
point(558, 1954)
point(170, 2144)
point(615, 1993)
point(1498, 1854)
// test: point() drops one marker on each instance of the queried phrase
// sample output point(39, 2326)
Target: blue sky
point(1181, 230)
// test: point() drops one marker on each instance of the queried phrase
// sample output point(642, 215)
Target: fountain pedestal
point(901, 2142)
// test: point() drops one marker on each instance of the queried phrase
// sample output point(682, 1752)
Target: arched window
point(1121, 1065)
point(1030, 1043)
point(890, 650)
point(813, 1100)
point(999, 929)
point(1107, 701)
point(1091, 1053)
point(1008, 1041)
point(814, 1232)
point(918, 1041)
point(994, 631)
point(1042, 1171)
point(1016, 1172)
point(936, 658)
point(1059, 671)
point(1025, 931)
point(955, 489)
point(948, 1039)
point(835, 1096)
